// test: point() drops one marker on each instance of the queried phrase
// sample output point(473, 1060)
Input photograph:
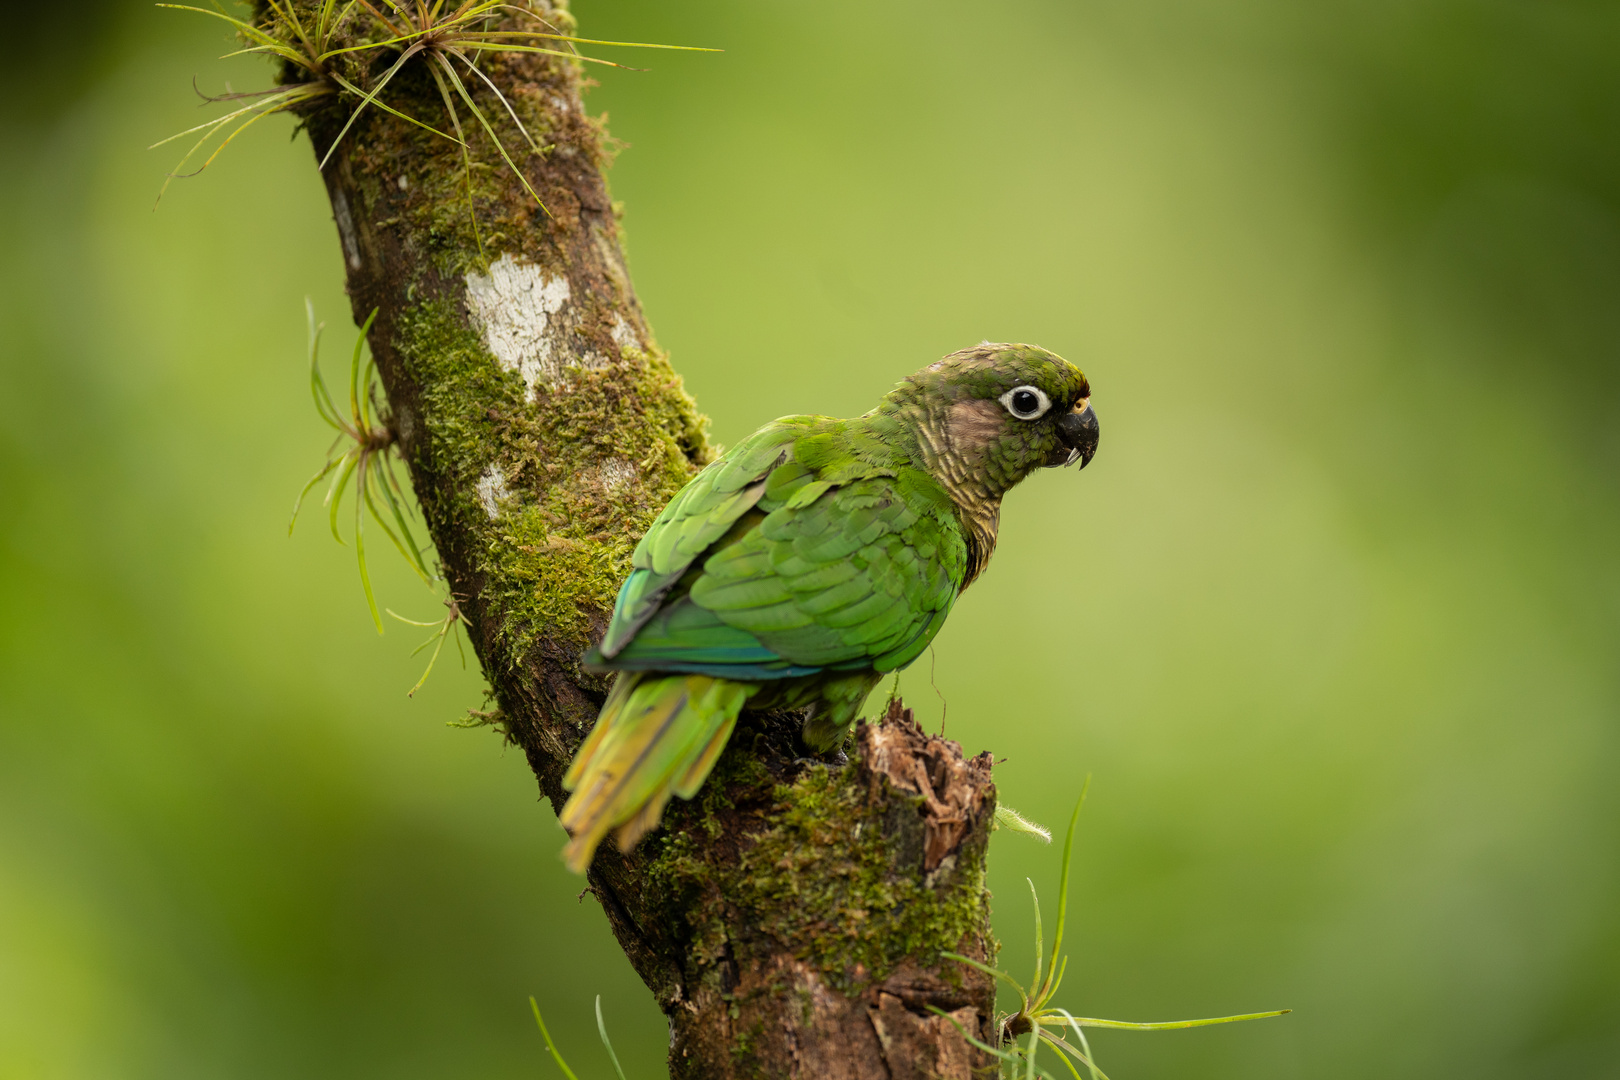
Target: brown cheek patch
point(974, 425)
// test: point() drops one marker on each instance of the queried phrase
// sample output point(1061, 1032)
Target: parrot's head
point(1004, 411)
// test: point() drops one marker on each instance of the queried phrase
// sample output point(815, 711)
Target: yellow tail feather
point(622, 686)
point(656, 737)
point(687, 784)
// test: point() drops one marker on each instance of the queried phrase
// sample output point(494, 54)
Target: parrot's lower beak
point(1078, 430)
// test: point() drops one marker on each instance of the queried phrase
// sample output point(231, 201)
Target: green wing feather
point(838, 579)
point(697, 517)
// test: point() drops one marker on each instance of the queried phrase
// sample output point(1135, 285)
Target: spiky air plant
point(447, 39)
point(442, 628)
point(1044, 1023)
point(361, 453)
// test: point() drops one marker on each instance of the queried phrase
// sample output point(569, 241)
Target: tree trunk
point(790, 918)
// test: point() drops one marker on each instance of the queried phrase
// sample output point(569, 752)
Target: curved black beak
point(1079, 432)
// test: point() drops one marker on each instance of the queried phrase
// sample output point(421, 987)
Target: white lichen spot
point(491, 489)
point(623, 335)
point(404, 182)
point(616, 474)
point(946, 866)
point(560, 104)
point(514, 308)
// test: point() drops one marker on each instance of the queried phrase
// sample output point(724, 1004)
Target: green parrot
point(804, 564)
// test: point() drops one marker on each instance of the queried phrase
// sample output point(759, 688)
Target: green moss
point(561, 544)
point(823, 880)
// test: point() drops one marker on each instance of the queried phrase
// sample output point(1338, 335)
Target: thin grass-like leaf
point(467, 13)
point(317, 384)
point(260, 109)
point(601, 1029)
point(1176, 1025)
point(431, 638)
point(459, 650)
point(595, 41)
point(445, 627)
point(412, 553)
point(367, 99)
point(438, 27)
point(387, 108)
point(290, 16)
point(342, 16)
point(434, 659)
point(399, 492)
point(243, 126)
point(1000, 1055)
point(392, 28)
point(414, 36)
point(360, 545)
point(248, 30)
point(498, 46)
point(461, 88)
point(334, 494)
point(497, 91)
point(371, 505)
point(1067, 1064)
point(1084, 1054)
point(544, 1034)
point(354, 369)
point(466, 158)
point(1040, 948)
point(1063, 888)
point(1065, 1052)
point(980, 966)
point(366, 417)
point(299, 502)
point(410, 622)
point(215, 123)
point(323, 25)
point(1057, 980)
point(988, 970)
point(406, 544)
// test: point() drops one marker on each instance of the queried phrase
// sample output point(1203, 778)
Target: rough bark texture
point(789, 919)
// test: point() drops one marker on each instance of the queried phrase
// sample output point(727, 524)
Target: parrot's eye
point(1026, 402)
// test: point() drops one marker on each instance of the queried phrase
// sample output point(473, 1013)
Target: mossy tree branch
point(790, 919)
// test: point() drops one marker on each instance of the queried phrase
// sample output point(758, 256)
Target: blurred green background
point(1332, 619)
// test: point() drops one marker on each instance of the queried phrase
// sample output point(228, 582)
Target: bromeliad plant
point(360, 453)
point(1044, 1023)
point(328, 52)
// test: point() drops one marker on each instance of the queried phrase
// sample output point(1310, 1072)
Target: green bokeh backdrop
point(1332, 619)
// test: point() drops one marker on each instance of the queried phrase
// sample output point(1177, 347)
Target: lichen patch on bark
point(491, 489)
point(523, 316)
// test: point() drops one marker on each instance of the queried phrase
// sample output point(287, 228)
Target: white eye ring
point(1016, 401)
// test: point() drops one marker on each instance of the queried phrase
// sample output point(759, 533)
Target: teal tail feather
point(656, 737)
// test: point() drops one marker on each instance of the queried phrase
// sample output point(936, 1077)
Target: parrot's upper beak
point(1078, 430)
